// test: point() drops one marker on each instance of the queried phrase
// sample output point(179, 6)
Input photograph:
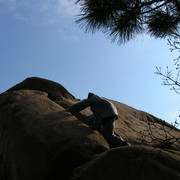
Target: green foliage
point(124, 19)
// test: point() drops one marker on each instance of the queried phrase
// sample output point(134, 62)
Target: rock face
point(133, 125)
point(131, 163)
point(40, 140)
point(54, 90)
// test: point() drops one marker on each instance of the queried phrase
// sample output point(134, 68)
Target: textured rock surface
point(131, 163)
point(54, 90)
point(40, 140)
point(132, 122)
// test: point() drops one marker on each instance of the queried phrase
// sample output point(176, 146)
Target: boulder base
point(131, 163)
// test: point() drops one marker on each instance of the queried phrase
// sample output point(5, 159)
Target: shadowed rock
point(131, 123)
point(54, 90)
point(131, 163)
point(40, 140)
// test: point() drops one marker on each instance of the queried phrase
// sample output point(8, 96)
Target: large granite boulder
point(131, 163)
point(39, 140)
point(136, 127)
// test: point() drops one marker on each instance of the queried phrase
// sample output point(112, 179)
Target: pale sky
point(40, 38)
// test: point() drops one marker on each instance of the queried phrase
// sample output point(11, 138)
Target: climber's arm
point(75, 108)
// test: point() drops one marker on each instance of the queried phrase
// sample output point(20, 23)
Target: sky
point(39, 38)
